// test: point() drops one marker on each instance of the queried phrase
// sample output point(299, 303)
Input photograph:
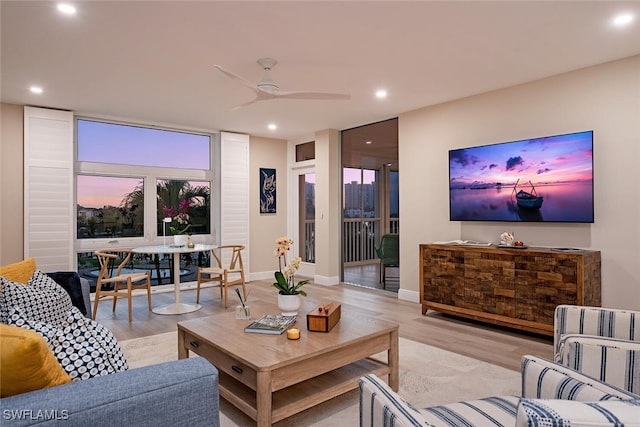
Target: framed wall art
point(267, 190)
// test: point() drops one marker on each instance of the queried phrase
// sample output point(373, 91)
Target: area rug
point(428, 376)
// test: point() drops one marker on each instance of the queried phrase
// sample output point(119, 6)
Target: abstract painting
point(267, 190)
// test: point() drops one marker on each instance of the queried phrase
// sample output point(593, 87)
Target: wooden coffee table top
point(267, 352)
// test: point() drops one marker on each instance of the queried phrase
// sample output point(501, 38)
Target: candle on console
point(293, 333)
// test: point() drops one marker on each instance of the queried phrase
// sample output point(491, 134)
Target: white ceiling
point(152, 61)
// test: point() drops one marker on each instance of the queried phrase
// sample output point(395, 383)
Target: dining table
point(176, 307)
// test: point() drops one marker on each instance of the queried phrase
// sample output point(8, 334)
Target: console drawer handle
point(237, 369)
point(194, 344)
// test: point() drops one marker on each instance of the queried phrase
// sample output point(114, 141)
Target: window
point(361, 218)
point(128, 177)
point(184, 199)
point(103, 212)
point(306, 151)
point(124, 144)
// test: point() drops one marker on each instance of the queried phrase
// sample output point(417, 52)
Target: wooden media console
point(519, 288)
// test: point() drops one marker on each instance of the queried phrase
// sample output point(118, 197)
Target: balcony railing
point(309, 254)
point(360, 236)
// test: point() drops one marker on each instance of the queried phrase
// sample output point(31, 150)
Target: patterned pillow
point(84, 348)
point(562, 413)
point(42, 299)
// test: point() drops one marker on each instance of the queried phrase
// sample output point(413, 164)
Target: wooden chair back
point(107, 259)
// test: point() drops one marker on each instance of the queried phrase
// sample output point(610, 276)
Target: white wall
point(266, 228)
point(11, 184)
point(604, 98)
point(328, 207)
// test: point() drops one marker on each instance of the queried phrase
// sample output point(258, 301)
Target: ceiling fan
point(267, 89)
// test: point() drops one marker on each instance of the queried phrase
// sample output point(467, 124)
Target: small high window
point(306, 151)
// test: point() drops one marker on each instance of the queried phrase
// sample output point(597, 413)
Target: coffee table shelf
point(301, 396)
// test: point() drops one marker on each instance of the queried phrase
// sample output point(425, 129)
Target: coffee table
point(269, 377)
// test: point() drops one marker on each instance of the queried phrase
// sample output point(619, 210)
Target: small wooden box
point(323, 318)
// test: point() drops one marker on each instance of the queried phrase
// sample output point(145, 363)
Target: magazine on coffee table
point(270, 324)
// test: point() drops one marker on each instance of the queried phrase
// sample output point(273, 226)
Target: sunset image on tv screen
point(541, 179)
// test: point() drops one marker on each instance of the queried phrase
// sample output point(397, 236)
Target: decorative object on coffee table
point(323, 318)
point(293, 334)
point(288, 290)
point(274, 324)
point(243, 311)
point(289, 304)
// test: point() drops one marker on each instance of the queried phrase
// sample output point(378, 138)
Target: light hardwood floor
point(500, 346)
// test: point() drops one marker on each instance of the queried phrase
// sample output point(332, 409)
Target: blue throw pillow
point(70, 281)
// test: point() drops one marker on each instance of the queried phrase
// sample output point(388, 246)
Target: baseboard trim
point(405, 295)
point(326, 280)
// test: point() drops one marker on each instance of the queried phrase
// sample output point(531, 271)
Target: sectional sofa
point(59, 367)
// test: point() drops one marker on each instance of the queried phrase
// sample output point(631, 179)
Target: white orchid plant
point(285, 282)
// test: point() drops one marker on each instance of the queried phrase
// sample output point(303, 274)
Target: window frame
point(150, 176)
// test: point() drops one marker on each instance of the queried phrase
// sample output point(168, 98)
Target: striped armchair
point(600, 342)
point(552, 395)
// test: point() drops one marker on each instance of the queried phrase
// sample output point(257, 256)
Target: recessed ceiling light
point(381, 93)
point(368, 142)
point(35, 89)
point(66, 8)
point(272, 126)
point(623, 19)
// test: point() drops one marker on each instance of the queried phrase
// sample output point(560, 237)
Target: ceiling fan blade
point(267, 89)
point(261, 95)
point(234, 76)
point(245, 104)
point(309, 95)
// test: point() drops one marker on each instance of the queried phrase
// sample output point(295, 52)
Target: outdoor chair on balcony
point(230, 275)
point(118, 284)
point(389, 254)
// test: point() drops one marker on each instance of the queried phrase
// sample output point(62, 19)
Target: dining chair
point(227, 274)
point(389, 254)
point(114, 283)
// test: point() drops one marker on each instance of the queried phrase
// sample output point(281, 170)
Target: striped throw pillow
point(562, 413)
point(613, 361)
point(544, 379)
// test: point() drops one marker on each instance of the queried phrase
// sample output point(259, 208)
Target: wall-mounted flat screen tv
point(547, 179)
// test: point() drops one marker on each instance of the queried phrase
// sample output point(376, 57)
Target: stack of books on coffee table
point(274, 324)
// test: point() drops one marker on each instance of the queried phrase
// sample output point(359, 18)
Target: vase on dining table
point(180, 239)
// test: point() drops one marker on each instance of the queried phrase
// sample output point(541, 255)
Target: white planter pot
point(289, 304)
point(180, 239)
